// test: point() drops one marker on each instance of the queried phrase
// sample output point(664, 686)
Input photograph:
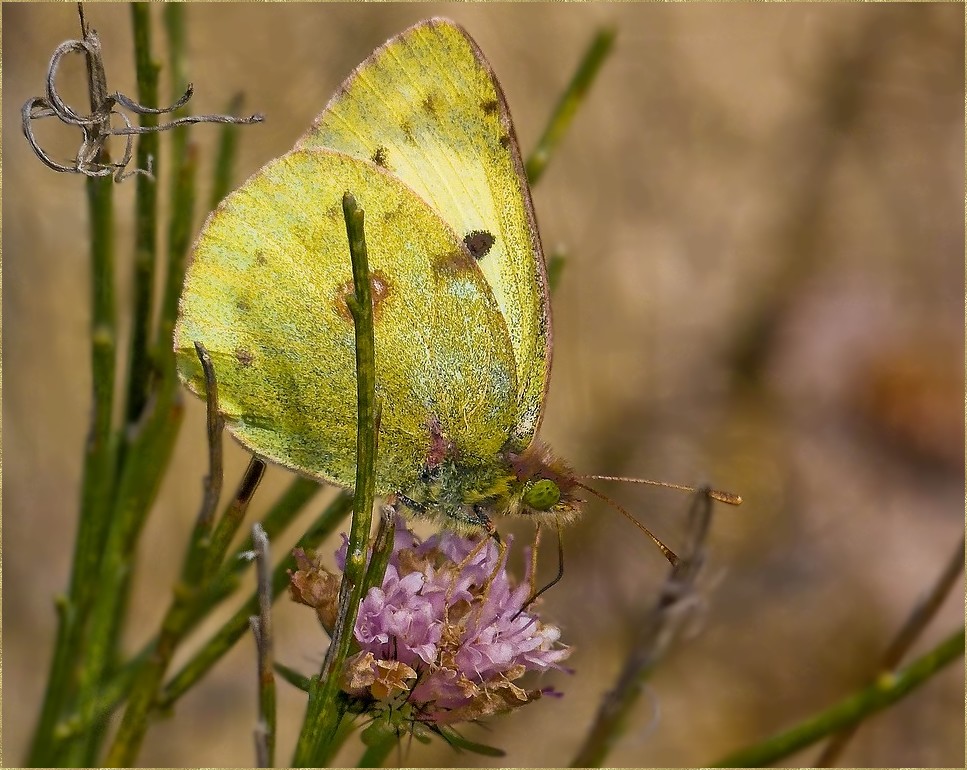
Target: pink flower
point(447, 632)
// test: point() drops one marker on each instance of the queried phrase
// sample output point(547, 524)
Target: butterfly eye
point(542, 495)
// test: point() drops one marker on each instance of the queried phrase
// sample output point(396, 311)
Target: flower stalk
point(325, 708)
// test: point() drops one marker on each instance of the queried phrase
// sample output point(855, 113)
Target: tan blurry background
point(793, 170)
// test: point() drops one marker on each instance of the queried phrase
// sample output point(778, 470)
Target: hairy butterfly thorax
point(467, 493)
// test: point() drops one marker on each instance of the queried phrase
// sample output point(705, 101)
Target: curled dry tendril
point(96, 127)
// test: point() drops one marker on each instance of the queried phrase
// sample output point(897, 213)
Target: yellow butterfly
point(420, 133)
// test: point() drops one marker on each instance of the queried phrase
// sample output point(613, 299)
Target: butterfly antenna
point(715, 494)
point(668, 552)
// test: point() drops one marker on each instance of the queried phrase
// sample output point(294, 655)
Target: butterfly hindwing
point(427, 107)
point(265, 294)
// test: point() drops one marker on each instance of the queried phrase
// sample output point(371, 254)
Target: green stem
point(105, 630)
point(886, 691)
point(146, 218)
point(382, 548)
point(278, 517)
point(276, 520)
point(657, 632)
point(238, 624)
point(184, 167)
point(214, 547)
point(97, 483)
point(568, 104)
point(137, 488)
point(325, 709)
point(909, 633)
point(181, 612)
point(225, 157)
point(377, 751)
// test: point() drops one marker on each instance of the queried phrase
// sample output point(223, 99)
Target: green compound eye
point(542, 495)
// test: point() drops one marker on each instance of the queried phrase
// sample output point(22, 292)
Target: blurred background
point(762, 212)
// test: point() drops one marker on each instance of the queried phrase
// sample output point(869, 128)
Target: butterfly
point(421, 135)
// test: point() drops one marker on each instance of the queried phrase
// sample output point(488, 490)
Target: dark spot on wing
point(242, 305)
point(489, 107)
point(407, 128)
point(379, 288)
point(260, 259)
point(428, 104)
point(479, 243)
point(244, 356)
point(452, 263)
point(390, 214)
point(379, 157)
point(505, 141)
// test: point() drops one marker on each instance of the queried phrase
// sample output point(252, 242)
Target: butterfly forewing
point(427, 107)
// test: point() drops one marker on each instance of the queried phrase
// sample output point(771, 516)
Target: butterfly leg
point(532, 572)
point(557, 577)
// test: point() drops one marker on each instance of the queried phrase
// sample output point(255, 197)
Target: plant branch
point(146, 219)
point(924, 611)
point(262, 628)
point(234, 628)
point(660, 629)
point(325, 708)
point(134, 725)
point(886, 691)
point(568, 104)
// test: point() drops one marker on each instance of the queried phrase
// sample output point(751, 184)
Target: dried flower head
point(446, 634)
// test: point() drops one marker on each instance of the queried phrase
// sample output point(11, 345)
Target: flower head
point(447, 632)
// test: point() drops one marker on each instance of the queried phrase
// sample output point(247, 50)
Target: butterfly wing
point(427, 107)
point(265, 294)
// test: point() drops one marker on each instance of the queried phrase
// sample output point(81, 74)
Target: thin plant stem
point(293, 677)
point(382, 547)
point(233, 629)
point(136, 490)
point(96, 486)
point(120, 684)
point(146, 219)
point(134, 725)
point(568, 104)
point(555, 269)
point(215, 424)
point(98, 475)
point(176, 31)
point(184, 167)
point(886, 691)
point(148, 437)
point(225, 155)
point(216, 546)
point(281, 513)
point(924, 611)
point(378, 749)
point(262, 627)
point(660, 629)
point(326, 707)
